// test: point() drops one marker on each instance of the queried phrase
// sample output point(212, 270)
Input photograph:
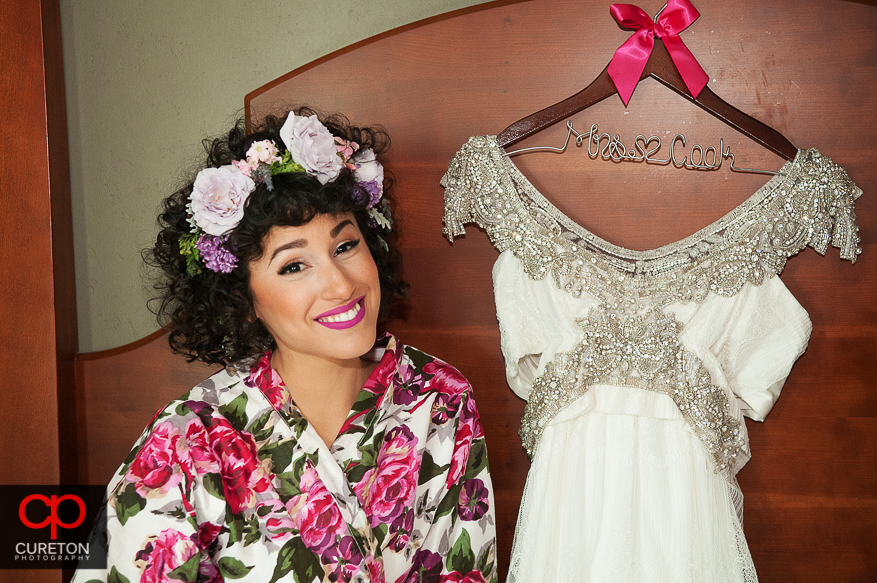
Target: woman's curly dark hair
point(212, 312)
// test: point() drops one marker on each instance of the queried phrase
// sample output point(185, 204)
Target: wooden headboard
point(807, 68)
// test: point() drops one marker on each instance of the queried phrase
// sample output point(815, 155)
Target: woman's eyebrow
point(296, 244)
point(337, 228)
point(299, 243)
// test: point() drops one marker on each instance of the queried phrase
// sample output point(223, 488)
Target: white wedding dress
point(638, 367)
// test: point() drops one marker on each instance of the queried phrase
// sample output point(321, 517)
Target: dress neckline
point(785, 175)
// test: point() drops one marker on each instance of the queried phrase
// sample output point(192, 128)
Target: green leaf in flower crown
point(379, 218)
point(286, 165)
point(192, 254)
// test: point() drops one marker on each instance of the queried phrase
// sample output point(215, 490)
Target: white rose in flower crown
point(311, 145)
point(368, 169)
point(218, 197)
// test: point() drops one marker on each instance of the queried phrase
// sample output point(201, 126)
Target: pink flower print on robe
point(470, 577)
point(156, 469)
point(469, 428)
point(198, 451)
point(388, 488)
point(243, 475)
point(163, 553)
point(266, 379)
point(446, 379)
point(315, 513)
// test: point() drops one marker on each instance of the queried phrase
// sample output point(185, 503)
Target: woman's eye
point(347, 246)
point(293, 267)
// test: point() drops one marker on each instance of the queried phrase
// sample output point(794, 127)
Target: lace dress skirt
point(621, 490)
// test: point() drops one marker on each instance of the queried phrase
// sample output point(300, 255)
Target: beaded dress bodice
point(630, 335)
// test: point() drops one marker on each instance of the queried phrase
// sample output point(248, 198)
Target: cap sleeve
point(472, 176)
point(767, 330)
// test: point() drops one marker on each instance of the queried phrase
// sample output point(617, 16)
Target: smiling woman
point(303, 458)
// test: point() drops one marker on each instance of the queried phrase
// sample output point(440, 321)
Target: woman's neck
point(323, 390)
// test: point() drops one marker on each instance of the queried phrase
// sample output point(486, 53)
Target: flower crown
point(216, 205)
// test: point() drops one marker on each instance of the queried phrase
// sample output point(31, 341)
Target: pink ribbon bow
point(630, 58)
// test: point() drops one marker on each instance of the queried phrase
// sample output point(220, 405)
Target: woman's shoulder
point(435, 374)
point(225, 406)
point(227, 397)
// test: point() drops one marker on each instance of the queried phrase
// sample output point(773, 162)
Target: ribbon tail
point(692, 73)
point(628, 63)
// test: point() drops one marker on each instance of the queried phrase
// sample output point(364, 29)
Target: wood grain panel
point(38, 323)
point(118, 392)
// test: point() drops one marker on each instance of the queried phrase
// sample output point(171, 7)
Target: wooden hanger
point(661, 67)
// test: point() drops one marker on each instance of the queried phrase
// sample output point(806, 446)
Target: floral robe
point(230, 482)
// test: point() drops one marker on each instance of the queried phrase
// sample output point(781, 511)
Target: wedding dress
point(638, 366)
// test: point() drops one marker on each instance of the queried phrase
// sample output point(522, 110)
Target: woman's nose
point(337, 283)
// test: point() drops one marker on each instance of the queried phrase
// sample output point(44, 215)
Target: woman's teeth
point(345, 316)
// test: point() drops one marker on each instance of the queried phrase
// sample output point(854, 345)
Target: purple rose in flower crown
point(218, 197)
point(311, 145)
point(369, 174)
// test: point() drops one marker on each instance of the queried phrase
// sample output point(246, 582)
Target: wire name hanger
point(643, 149)
point(647, 54)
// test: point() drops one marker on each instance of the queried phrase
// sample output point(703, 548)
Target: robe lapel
point(332, 475)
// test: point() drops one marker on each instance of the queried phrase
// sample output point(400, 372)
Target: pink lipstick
point(343, 317)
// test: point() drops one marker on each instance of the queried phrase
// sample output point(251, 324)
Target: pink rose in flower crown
point(218, 197)
point(346, 149)
point(315, 513)
point(243, 475)
point(161, 554)
point(156, 469)
point(388, 488)
point(311, 145)
point(263, 152)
